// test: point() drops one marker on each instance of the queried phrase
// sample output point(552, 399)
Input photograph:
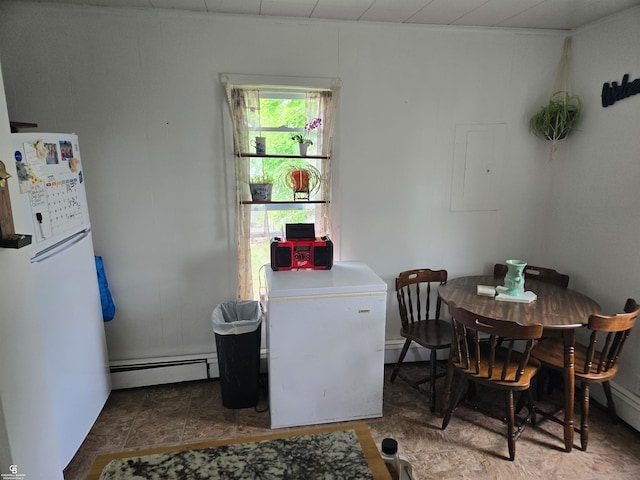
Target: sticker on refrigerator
point(52, 154)
point(34, 158)
point(66, 151)
point(73, 164)
point(24, 177)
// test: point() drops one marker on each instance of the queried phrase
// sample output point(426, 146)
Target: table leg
point(568, 337)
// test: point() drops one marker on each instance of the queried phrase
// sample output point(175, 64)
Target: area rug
point(328, 453)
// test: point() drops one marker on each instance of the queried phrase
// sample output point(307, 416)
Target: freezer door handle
point(60, 247)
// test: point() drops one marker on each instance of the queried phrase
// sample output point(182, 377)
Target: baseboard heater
point(183, 368)
point(143, 373)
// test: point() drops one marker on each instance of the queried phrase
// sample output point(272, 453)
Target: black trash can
point(237, 328)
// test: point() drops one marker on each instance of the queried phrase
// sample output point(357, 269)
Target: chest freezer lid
point(343, 278)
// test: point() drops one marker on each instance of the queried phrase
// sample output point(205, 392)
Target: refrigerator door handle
point(60, 246)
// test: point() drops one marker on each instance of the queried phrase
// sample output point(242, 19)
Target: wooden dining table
point(558, 309)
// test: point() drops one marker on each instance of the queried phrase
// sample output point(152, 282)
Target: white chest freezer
point(325, 343)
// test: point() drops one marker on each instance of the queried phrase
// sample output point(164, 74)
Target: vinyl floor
point(472, 446)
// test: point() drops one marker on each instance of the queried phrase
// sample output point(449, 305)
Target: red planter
point(299, 181)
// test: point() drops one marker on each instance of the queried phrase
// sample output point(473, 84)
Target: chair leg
point(471, 392)
point(584, 425)
point(404, 351)
point(610, 405)
point(531, 406)
point(526, 397)
point(448, 383)
point(432, 380)
point(521, 400)
point(540, 381)
point(511, 431)
point(453, 403)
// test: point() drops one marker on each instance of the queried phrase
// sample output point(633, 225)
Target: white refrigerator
point(325, 344)
point(53, 205)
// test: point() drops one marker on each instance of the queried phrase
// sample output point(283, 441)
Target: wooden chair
point(416, 290)
point(591, 365)
point(548, 275)
point(543, 274)
point(497, 366)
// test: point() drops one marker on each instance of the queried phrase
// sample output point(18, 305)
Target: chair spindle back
point(502, 336)
point(615, 330)
point(415, 294)
point(547, 275)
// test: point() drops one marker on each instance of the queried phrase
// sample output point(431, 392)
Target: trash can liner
point(237, 328)
point(236, 317)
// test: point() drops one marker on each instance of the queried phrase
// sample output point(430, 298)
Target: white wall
point(26, 426)
point(141, 89)
point(594, 224)
point(405, 91)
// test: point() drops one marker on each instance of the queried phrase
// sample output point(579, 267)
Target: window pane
point(283, 112)
point(268, 221)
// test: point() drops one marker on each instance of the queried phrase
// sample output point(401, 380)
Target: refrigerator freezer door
point(77, 370)
point(54, 197)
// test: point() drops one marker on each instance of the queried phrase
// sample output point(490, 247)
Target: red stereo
point(299, 250)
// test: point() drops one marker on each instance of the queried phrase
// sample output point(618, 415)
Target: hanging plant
point(556, 119)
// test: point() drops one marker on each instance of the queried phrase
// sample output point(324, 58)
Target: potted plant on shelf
point(299, 177)
point(260, 188)
point(303, 138)
point(556, 119)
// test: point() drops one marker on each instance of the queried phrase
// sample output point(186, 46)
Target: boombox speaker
point(283, 256)
point(305, 251)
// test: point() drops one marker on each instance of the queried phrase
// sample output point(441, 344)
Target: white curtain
point(244, 106)
point(322, 104)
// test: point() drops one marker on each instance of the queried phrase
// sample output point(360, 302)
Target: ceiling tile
point(445, 12)
point(341, 10)
point(105, 3)
point(599, 9)
point(495, 11)
point(558, 14)
point(393, 11)
point(287, 8)
point(251, 7)
point(194, 5)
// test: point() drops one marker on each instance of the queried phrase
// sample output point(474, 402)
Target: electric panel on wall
point(477, 167)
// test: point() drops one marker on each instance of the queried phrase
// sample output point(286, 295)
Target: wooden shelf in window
point(282, 202)
point(269, 155)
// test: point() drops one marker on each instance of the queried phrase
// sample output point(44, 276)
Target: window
point(276, 113)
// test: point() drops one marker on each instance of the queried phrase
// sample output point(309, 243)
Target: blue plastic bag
point(108, 307)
